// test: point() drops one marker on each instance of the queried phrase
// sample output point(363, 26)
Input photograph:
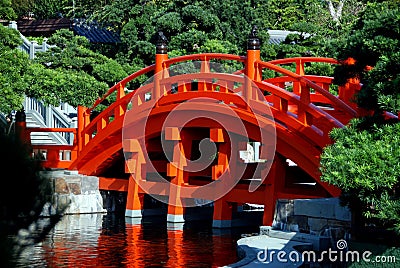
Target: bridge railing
point(306, 116)
point(51, 117)
point(303, 83)
point(345, 92)
point(30, 47)
point(55, 156)
point(297, 106)
point(88, 129)
point(302, 97)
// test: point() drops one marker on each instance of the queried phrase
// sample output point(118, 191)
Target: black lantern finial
point(161, 46)
point(253, 43)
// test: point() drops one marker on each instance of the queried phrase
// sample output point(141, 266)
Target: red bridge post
point(83, 121)
point(161, 57)
point(348, 91)
point(136, 167)
point(175, 171)
point(20, 128)
point(252, 72)
point(274, 183)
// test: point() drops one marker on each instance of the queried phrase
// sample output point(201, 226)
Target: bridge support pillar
point(135, 200)
point(134, 166)
point(275, 183)
point(181, 147)
point(222, 217)
point(175, 214)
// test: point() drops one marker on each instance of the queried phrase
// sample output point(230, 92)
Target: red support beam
point(113, 184)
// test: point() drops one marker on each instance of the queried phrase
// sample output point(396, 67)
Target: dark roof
point(4, 22)
point(91, 30)
point(94, 32)
point(42, 27)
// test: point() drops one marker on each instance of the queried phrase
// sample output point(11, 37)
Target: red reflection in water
point(139, 246)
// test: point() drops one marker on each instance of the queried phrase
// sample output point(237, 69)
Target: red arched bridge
point(298, 107)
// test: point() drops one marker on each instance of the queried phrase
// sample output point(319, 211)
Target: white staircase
point(33, 120)
point(40, 115)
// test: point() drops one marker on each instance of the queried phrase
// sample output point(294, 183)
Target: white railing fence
point(30, 47)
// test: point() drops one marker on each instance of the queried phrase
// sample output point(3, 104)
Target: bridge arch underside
point(294, 165)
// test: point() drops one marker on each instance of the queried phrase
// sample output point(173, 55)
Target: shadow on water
point(111, 240)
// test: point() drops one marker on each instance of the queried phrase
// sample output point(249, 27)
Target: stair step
point(40, 138)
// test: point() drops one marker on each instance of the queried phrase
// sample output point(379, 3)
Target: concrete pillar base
point(137, 213)
point(175, 226)
point(222, 223)
point(133, 221)
point(175, 218)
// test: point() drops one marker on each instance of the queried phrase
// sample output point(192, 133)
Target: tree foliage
point(13, 66)
point(365, 164)
point(69, 72)
point(364, 160)
point(374, 42)
point(49, 9)
point(22, 7)
point(6, 10)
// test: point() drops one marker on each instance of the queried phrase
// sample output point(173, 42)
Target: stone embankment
point(79, 194)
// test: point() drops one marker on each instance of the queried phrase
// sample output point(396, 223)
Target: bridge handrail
point(301, 98)
point(289, 96)
point(51, 116)
point(338, 102)
point(313, 78)
point(108, 111)
point(202, 56)
point(91, 126)
point(57, 156)
point(30, 47)
point(122, 83)
point(205, 57)
point(303, 60)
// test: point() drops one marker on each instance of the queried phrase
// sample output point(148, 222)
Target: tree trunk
point(336, 14)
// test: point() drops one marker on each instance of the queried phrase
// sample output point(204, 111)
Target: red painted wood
point(303, 119)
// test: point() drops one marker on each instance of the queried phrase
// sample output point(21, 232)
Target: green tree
point(374, 43)
point(364, 159)
point(49, 9)
point(6, 10)
point(78, 74)
point(365, 164)
point(22, 7)
point(69, 72)
point(13, 66)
